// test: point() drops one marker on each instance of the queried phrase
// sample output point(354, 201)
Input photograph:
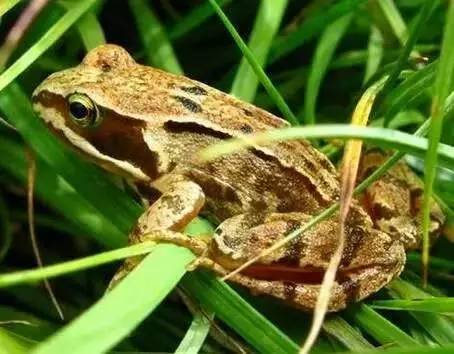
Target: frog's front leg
point(179, 203)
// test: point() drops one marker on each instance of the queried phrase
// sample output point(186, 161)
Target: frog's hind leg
point(295, 272)
point(244, 236)
point(180, 201)
point(394, 201)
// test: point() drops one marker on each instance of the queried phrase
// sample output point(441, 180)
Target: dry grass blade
point(442, 88)
point(349, 172)
point(31, 224)
point(18, 30)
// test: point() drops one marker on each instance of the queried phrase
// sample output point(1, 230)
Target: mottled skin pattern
point(154, 123)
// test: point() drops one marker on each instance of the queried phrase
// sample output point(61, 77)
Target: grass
point(310, 58)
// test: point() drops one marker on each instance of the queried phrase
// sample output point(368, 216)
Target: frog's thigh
point(246, 235)
point(371, 257)
point(180, 202)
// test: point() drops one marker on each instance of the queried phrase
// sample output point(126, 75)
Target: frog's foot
point(394, 201)
point(128, 265)
point(197, 246)
point(201, 262)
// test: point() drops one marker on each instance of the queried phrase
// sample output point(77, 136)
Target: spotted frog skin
point(148, 126)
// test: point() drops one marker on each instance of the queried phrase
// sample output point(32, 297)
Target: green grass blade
point(443, 85)
point(345, 333)
point(408, 91)
point(383, 137)
point(413, 350)
point(115, 315)
point(266, 24)
point(394, 19)
point(158, 48)
point(58, 194)
point(439, 327)
point(434, 261)
point(436, 304)
point(26, 276)
point(261, 75)
point(196, 334)
point(90, 31)
point(374, 53)
point(311, 27)
point(323, 55)
point(378, 327)
point(7, 5)
point(28, 326)
point(12, 344)
point(193, 19)
point(51, 36)
point(413, 36)
point(6, 236)
point(232, 309)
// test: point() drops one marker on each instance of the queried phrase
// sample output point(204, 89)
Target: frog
point(148, 126)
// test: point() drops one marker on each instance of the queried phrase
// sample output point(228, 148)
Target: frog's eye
point(83, 111)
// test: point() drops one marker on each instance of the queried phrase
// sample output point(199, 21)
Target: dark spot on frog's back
point(351, 289)
point(294, 251)
point(289, 290)
point(195, 90)
point(105, 67)
point(246, 129)
point(189, 104)
point(247, 112)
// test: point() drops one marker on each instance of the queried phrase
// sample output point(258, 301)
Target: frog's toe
point(128, 265)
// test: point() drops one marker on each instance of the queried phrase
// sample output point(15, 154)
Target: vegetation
point(307, 61)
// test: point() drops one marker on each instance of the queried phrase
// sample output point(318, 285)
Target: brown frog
point(148, 126)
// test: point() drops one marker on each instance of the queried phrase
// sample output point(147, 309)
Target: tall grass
point(309, 57)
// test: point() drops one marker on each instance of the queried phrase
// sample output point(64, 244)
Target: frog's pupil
point(78, 110)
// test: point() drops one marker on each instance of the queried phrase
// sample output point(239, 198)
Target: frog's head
point(94, 107)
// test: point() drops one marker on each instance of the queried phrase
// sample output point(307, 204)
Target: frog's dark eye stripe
point(83, 111)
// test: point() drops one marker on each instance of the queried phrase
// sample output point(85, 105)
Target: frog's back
point(161, 103)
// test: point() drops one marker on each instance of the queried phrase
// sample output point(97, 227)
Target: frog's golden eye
point(83, 111)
